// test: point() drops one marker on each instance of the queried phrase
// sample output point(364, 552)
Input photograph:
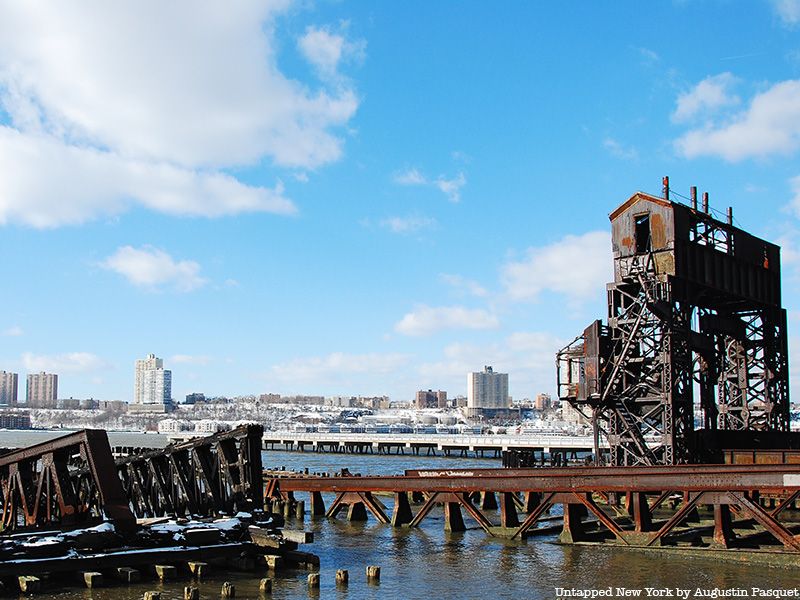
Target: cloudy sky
point(329, 197)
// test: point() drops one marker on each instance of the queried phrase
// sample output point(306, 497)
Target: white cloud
point(463, 284)
point(164, 96)
point(325, 49)
point(188, 359)
point(449, 187)
point(618, 150)
point(706, 97)
point(46, 183)
point(788, 11)
point(577, 267)
point(72, 362)
point(410, 177)
point(407, 225)
point(14, 331)
point(425, 320)
point(649, 57)
point(153, 268)
point(770, 125)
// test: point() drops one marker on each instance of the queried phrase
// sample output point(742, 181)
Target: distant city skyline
point(363, 199)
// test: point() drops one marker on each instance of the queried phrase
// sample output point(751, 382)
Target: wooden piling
point(191, 592)
point(373, 573)
point(28, 584)
point(313, 580)
point(401, 513)
point(488, 501)
point(265, 586)
point(228, 590)
point(357, 512)
point(453, 520)
point(198, 569)
point(91, 579)
point(508, 510)
point(165, 572)
point(342, 577)
point(128, 575)
point(317, 505)
point(300, 510)
point(152, 596)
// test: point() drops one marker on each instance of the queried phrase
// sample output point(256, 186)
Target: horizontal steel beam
point(694, 478)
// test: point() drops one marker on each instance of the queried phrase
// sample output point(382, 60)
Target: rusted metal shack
point(695, 306)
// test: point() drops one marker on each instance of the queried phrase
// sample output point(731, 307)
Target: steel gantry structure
point(695, 306)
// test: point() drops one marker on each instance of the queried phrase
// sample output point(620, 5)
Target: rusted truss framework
point(220, 474)
point(712, 506)
point(695, 303)
point(74, 480)
point(67, 481)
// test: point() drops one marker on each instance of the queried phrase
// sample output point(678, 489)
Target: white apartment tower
point(42, 390)
point(8, 388)
point(487, 389)
point(153, 384)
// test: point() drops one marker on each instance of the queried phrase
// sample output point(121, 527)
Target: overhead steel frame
point(67, 481)
point(694, 300)
point(210, 476)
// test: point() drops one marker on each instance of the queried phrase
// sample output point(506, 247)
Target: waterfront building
point(195, 398)
point(431, 399)
point(14, 421)
point(487, 389)
point(153, 383)
point(42, 390)
point(543, 402)
point(487, 395)
point(8, 388)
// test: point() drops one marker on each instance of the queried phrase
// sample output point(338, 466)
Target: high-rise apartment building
point(487, 389)
point(153, 383)
point(42, 390)
point(8, 388)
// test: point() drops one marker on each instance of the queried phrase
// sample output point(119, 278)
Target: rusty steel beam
point(39, 488)
point(636, 481)
point(731, 491)
point(210, 476)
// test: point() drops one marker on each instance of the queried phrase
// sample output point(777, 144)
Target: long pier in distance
point(567, 447)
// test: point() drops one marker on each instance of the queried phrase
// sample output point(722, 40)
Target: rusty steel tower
point(694, 308)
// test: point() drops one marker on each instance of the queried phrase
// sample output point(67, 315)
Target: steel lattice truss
point(74, 480)
point(219, 474)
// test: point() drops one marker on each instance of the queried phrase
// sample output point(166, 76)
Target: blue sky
point(363, 198)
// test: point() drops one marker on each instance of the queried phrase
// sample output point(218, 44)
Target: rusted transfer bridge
point(712, 506)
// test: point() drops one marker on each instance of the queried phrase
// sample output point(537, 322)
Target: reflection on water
point(427, 563)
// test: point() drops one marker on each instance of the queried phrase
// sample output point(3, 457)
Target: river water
point(428, 563)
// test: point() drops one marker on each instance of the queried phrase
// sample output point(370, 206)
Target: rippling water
point(427, 563)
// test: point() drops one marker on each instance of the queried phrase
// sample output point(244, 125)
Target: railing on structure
point(498, 441)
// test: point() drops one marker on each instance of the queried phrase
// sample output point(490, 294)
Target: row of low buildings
point(41, 390)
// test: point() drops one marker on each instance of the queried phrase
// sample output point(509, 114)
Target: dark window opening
point(642, 233)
